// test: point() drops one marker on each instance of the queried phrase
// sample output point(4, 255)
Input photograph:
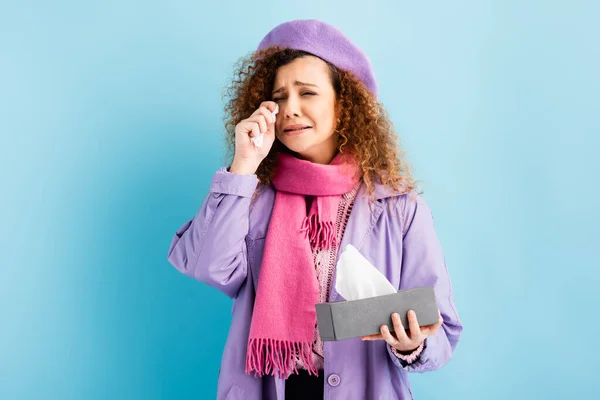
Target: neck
point(320, 158)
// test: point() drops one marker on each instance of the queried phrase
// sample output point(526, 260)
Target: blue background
point(110, 116)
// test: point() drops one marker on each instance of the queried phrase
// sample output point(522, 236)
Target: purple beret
point(326, 42)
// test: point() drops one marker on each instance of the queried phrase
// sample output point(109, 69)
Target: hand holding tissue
point(370, 300)
point(258, 140)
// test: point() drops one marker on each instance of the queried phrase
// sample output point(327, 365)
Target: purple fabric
point(223, 246)
point(326, 42)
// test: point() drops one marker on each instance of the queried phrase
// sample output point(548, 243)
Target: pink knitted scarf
point(284, 317)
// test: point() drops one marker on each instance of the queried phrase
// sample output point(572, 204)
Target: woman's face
point(306, 98)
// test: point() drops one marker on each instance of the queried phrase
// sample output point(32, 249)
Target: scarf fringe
point(277, 357)
point(320, 234)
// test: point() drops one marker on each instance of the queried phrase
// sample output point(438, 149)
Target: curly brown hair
point(363, 127)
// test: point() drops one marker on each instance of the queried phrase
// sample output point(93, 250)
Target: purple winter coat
point(223, 246)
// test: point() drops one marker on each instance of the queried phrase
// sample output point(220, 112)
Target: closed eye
point(305, 93)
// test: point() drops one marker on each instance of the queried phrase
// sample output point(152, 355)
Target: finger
point(399, 328)
point(255, 131)
point(261, 121)
point(269, 117)
point(387, 336)
point(247, 128)
point(262, 110)
point(413, 323)
point(376, 336)
point(269, 105)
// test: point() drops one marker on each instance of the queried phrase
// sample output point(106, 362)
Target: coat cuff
point(224, 182)
point(409, 358)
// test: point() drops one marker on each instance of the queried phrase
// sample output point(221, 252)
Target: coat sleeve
point(424, 264)
point(211, 247)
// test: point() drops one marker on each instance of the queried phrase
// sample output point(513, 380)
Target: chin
point(296, 148)
point(297, 145)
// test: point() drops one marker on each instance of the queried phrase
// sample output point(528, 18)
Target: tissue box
point(355, 318)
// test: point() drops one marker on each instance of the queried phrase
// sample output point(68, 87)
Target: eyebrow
point(297, 83)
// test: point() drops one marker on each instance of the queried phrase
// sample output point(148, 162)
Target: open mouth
point(297, 130)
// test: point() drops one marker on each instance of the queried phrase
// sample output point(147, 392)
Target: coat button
point(333, 379)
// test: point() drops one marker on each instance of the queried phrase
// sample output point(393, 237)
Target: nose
point(292, 107)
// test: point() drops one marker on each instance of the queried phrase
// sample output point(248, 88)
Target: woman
point(315, 166)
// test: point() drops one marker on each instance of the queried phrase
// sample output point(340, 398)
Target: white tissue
point(258, 140)
point(357, 278)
